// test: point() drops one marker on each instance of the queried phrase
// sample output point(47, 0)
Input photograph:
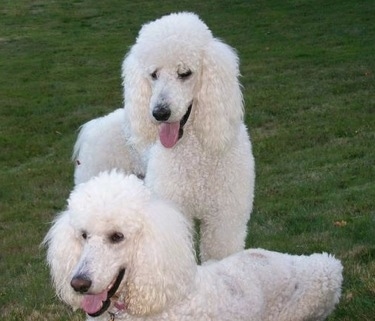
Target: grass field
point(308, 74)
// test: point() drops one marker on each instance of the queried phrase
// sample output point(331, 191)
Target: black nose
point(161, 112)
point(81, 283)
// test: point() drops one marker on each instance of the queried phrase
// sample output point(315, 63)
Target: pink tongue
point(168, 133)
point(93, 302)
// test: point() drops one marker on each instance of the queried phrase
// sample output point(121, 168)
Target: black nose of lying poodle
point(80, 283)
point(161, 112)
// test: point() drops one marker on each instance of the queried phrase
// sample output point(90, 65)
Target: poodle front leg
point(221, 237)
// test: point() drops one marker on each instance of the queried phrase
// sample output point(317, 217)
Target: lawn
point(308, 82)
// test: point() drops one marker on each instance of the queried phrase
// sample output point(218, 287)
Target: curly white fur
point(175, 64)
point(101, 145)
point(162, 280)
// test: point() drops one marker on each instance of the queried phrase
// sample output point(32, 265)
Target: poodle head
point(118, 247)
point(179, 78)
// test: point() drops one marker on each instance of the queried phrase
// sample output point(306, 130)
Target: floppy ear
point(219, 100)
point(163, 264)
point(63, 253)
point(137, 94)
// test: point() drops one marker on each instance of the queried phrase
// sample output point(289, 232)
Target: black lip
point(184, 121)
point(111, 292)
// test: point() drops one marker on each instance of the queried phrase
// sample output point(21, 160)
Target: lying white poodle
point(182, 128)
point(121, 253)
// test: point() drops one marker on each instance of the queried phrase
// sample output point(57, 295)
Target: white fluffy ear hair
point(137, 93)
point(64, 250)
point(163, 264)
point(219, 109)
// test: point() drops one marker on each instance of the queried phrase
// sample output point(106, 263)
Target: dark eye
point(84, 235)
point(116, 237)
point(154, 75)
point(184, 75)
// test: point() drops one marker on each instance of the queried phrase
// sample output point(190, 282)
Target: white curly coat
point(114, 222)
point(175, 64)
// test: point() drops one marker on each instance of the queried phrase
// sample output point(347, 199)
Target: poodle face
point(106, 249)
point(90, 245)
point(172, 64)
point(178, 73)
point(173, 92)
point(99, 273)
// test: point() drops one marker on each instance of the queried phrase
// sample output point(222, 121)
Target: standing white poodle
point(182, 128)
point(121, 253)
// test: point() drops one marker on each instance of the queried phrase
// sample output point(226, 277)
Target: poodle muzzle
point(170, 132)
point(82, 285)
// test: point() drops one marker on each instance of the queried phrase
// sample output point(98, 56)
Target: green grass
point(308, 74)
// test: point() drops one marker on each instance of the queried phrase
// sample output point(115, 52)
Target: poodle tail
point(320, 290)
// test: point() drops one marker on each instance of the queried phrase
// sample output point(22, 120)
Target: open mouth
point(170, 133)
point(95, 304)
